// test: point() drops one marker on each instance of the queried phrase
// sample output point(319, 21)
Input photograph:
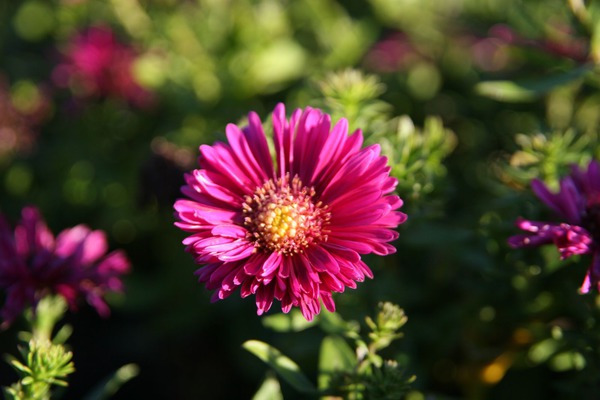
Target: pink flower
point(97, 64)
point(578, 203)
point(33, 264)
point(393, 53)
point(293, 231)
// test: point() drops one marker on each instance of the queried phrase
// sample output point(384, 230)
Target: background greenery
point(470, 99)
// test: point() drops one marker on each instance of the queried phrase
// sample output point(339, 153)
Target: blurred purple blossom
point(578, 204)
point(74, 265)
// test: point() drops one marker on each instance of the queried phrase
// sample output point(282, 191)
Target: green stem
point(48, 312)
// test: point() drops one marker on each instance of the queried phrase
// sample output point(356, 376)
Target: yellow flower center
point(282, 216)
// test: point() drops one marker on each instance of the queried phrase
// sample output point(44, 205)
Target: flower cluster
point(294, 231)
point(33, 264)
point(96, 64)
point(578, 203)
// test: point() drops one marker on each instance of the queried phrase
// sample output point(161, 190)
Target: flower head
point(33, 264)
point(97, 64)
point(294, 229)
point(578, 204)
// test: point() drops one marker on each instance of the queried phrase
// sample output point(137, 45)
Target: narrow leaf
point(525, 91)
point(285, 367)
point(113, 383)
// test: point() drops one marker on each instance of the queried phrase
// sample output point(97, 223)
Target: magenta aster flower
point(578, 203)
point(294, 231)
point(33, 264)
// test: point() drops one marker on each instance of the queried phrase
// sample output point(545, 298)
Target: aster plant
point(290, 226)
point(42, 276)
point(350, 363)
point(578, 204)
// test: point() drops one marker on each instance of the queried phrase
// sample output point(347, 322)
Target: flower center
point(282, 216)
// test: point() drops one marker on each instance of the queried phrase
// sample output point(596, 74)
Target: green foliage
point(385, 329)
point(45, 360)
point(359, 373)
point(548, 156)
point(370, 376)
point(416, 155)
point(284, 366)
point(293, 321)
point(45, 364)
point(269, 390)
point(353, 95)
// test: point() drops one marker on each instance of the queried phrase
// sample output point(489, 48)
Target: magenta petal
point(271, 264)
point(241, 148)
point(264, 299)
point(322, 261)
point(592, 277)
point(230, 230)
point(341, 252)
point(328, 301)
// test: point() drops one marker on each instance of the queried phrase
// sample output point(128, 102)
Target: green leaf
point(292, 322)
point(335, 356)
point(269, 390)
point(113, 383)
point(525, 91)
point(334, 324)
point(285, 367)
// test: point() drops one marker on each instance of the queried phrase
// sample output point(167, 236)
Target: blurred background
point(103, 104)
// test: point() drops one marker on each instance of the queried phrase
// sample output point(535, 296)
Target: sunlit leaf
point(291, 322)
point(284, 366)
point(524, 91)
point(269, 390)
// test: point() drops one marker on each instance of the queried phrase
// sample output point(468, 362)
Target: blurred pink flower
point(578, 203)
point(33, 264)
point(293, 232)
point(95, 63)
point(392, 53)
